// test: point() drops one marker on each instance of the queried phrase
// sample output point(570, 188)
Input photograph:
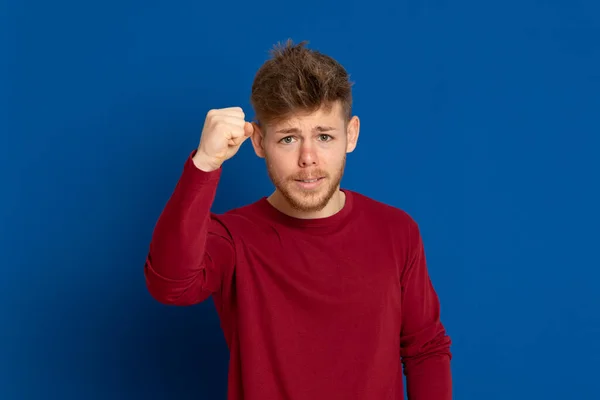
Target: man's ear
point(258, 140)
point(352, 132)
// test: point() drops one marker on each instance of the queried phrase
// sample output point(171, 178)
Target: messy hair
point(297, 79)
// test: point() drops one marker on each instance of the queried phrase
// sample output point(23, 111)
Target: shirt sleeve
point(190, 250)
point(425, 346)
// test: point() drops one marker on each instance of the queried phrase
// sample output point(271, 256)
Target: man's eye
point(324, 137)
point(287, 139)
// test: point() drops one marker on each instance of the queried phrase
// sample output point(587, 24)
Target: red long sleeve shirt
point(311, 309)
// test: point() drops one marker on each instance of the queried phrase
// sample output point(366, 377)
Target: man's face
point(306, 155)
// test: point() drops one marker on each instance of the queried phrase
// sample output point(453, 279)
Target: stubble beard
point(307, 200)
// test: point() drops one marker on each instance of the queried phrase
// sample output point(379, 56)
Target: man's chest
point(321, 275)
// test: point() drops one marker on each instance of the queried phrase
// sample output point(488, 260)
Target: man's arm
point(425, 346)
point(190, 251)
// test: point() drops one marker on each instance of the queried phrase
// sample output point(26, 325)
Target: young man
point(322, 292)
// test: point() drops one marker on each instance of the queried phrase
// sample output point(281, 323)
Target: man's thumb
point(248, 129)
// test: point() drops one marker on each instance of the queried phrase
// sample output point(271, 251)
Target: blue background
point(479, 119)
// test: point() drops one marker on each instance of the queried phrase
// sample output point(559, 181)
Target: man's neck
point(335, 204)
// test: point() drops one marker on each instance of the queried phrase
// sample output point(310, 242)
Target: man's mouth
point(308, 180)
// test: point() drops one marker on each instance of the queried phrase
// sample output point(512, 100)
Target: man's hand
point(224, 132)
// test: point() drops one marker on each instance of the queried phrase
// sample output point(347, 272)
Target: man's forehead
point(310, 120)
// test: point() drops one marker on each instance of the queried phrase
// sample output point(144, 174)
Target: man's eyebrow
point(319, 128)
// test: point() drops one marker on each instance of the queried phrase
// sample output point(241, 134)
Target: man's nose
point(308, 156)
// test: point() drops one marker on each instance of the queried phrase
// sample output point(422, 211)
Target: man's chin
point(306, 200)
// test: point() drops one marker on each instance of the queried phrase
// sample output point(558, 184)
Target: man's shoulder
point(243, 216)
point(374, 208)
point(245, 210)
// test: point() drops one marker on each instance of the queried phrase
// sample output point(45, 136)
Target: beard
point(307, 200)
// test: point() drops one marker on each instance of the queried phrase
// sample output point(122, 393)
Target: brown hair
point(297, 79)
